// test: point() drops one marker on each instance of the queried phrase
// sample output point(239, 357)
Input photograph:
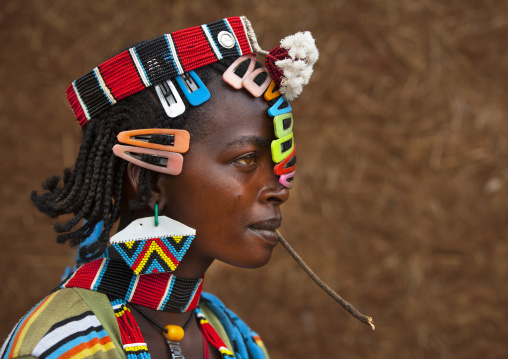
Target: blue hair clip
point(276, 109)
point(193, 88)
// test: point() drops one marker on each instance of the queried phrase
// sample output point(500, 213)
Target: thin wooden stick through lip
point(345, 304)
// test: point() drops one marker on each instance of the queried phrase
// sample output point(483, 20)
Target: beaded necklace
point(160, 291)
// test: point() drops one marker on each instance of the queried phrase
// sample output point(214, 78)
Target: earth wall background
point(401, 196)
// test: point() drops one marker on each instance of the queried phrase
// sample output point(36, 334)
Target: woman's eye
point(247, 160)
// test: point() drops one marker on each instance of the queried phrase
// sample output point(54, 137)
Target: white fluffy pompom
point(297, 69)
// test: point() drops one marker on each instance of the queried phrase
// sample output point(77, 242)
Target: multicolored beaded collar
point(160, 291)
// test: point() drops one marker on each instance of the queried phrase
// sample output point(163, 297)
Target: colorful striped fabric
point(12, 344)
point(70, 337)
point(60, 326)
point(78, 323)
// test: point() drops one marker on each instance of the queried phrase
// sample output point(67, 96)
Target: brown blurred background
point(401, 197)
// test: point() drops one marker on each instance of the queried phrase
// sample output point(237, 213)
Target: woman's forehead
point(232, 114)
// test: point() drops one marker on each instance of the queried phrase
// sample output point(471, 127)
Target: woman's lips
point(266, 230)
point(269, 224)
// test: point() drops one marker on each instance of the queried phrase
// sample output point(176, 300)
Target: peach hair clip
point(169, 158)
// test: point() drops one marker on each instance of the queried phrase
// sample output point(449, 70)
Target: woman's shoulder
point(62, 325)
point(235, 333)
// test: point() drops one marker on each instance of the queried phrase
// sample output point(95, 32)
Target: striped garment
point(61, 326)
point(64, 326)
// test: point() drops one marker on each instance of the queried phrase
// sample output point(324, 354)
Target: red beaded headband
point(154, 61)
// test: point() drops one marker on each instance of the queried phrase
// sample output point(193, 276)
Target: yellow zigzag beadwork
point(154, 247)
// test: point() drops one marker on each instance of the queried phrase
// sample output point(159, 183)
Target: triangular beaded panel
point(178, 245)
point(155, 255)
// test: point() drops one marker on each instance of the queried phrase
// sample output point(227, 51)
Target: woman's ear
point(158, 193)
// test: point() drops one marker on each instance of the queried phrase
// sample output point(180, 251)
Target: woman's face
point(227, 190)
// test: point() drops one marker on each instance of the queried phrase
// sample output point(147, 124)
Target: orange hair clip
point(269, 94)
point(181, 139)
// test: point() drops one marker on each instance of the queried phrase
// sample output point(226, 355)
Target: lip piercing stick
point(351, 310)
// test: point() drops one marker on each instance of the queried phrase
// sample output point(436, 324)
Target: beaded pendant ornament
point(147, 248)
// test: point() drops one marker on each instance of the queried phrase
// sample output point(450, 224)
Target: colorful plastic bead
point(175, 333)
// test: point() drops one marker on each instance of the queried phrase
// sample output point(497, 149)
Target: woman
point(195, 166)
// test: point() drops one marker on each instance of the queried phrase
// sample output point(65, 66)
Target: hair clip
point(287, 179)
point(282, 147)
point(280, 107)
point(283, 124)
point(169, 162)
point(180, 139)
point(193, 88)
point(287, 165)
point(170, 99)
point(252, 86)
point(230, 75)
point(270, 94)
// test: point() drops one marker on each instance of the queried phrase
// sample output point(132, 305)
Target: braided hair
point(92, 189)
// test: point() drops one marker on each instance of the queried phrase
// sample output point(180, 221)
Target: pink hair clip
point(287, 179)
point(250, 85)
point(232, 78)
point(169, 162)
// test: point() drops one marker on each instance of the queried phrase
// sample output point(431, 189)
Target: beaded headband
point(154, 61)
point(175, 55)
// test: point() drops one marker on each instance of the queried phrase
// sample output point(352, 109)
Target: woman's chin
point(253, 260)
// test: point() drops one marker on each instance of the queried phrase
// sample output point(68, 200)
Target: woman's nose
point(274, 192)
